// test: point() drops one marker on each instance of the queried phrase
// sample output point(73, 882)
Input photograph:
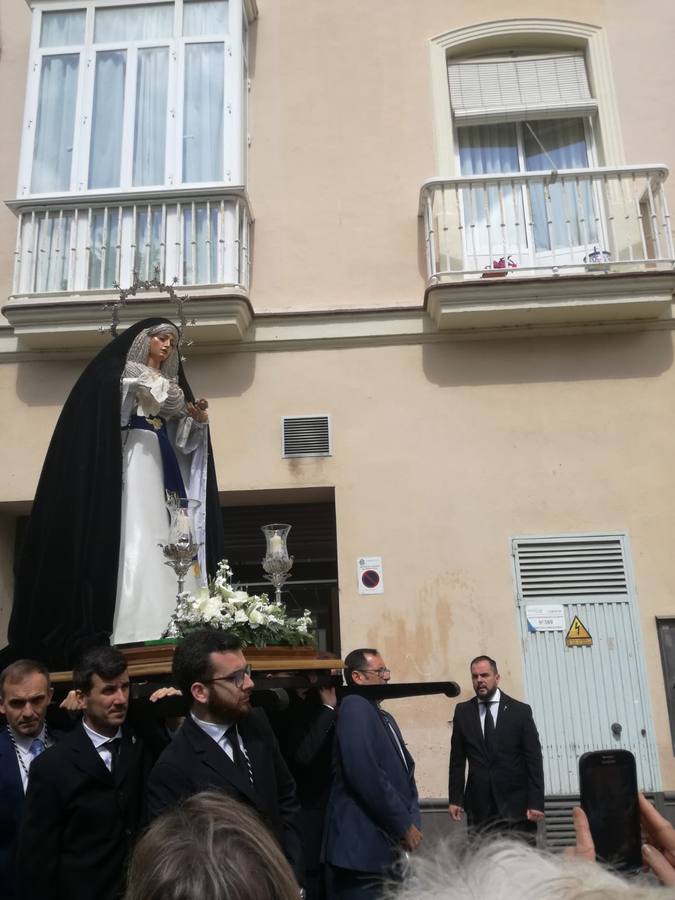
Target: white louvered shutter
point(512, 89)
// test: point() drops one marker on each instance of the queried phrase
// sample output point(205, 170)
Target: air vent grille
point(305, 436)
point(570, 568)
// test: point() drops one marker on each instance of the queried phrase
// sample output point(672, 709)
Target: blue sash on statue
point(173, 480)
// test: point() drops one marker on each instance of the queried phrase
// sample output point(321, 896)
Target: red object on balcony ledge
point(500, 267)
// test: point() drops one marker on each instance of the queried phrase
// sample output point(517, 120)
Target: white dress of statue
point(150, 400)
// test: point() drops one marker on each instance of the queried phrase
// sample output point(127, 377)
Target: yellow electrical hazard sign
point(578, 635)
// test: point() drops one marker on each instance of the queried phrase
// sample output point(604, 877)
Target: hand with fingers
point(584, 848)
point(658, 851)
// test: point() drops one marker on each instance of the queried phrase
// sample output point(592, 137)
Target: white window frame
point(234, 141)
point(556, 33)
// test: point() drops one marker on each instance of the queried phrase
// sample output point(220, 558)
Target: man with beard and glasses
point(223, 744)
point(497, 736)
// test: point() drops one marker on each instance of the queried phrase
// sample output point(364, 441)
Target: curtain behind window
point(570, 205)
point(150, 125)
point(490, 220)
point(54, 127)
point(107, 119)
point(203, 112)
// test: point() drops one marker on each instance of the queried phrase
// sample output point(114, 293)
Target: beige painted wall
point(442, 453)
point(342, 128)
point(343, 140)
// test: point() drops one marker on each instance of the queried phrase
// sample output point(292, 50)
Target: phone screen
point(610, 800)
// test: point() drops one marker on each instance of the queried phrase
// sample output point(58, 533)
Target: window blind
point(515, 88)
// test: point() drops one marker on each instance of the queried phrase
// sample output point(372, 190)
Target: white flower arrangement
point(256, 620)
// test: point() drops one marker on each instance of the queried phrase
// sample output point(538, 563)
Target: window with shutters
point(525, 113)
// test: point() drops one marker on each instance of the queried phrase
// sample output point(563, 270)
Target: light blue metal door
point(583, 697)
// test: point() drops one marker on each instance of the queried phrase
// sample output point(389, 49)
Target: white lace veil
point(138, 352)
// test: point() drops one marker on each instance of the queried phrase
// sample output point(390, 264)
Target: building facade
point(430, 263)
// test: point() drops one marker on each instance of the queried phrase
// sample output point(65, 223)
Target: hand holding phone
point(609, 797)
point(659, 850)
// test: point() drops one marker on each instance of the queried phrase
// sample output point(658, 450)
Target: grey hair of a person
point(140, 348)
point(502, 869)
point(209, 847)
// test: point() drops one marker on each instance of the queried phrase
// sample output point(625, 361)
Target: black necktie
point(488, 728)
point(113, 745)
point(239, 758)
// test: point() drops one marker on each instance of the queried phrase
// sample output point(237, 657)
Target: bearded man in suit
point(223, 744)
point(497, 736)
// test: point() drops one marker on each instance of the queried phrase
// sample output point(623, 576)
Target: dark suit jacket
point(79, 822)
point(193, 762)
point(308, 749)
point(373, 800)
point(513, 778)
point(11, 803)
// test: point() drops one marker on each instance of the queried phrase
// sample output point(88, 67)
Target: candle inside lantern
point(183, 526)
point(276, 545)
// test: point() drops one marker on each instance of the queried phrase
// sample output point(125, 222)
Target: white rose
point(256, 617)
point(240, 616)
point(210, 607)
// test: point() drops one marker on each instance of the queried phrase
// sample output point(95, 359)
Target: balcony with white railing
point(71, 252)
point(535, 247)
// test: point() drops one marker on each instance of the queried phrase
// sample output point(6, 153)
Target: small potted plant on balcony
point(500, 267)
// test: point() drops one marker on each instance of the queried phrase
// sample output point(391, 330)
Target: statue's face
point(161, 347)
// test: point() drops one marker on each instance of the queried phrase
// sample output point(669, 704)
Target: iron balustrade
point(546, 223)
point(71, 245)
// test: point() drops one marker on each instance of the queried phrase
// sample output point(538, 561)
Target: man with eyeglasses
point(223, 744)
point(373, 813)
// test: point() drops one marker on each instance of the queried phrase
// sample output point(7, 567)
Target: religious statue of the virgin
point(90, 568)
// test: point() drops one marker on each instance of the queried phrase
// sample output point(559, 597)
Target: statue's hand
point(197, 411)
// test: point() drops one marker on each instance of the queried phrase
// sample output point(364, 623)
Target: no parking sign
point(370, 575)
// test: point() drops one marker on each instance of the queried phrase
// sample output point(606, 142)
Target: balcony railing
point(546, 223)
point(75, 245)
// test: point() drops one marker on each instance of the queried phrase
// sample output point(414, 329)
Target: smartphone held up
point(609, 797)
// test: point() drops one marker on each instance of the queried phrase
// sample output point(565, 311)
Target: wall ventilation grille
point(305, 436)
point(570, 568)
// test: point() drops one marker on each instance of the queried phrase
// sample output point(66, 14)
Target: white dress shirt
point(99, 740)
point(217, 731)
point(22, 745)
point(494, 709)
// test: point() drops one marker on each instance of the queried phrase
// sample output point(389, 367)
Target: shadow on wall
point(557, 359)
point(49, 383)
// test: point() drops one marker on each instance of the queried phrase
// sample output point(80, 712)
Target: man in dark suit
point(84, 800)
point(373, 812)
point(223, 744)
point(25, 693)
point(497, 736)
point(307, 746)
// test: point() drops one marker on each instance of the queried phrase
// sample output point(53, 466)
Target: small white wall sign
point(370, 575)
point(545, 617)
